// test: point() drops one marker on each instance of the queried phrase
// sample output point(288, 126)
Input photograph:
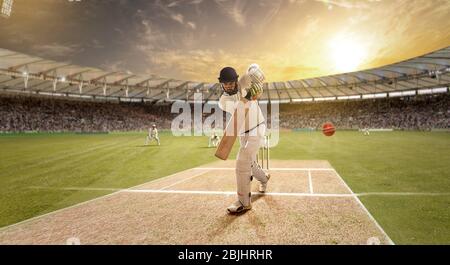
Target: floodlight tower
point(6, 8)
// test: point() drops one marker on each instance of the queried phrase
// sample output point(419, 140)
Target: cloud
point(172, 4)
point(270, 11)
point(301, 49)
point(235, 11)
point(177, 17)
point(178, 3)
point(191, 25)
point(196, 2)
point(96, 44)
point(114, 66)
point(203, 65)
point(151, 37)
point(359, 4)
point(57, 50)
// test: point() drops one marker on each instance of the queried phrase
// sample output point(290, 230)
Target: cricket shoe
point(238, 207)
point(263, 186)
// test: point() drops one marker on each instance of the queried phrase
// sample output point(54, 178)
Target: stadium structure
point(22, 73)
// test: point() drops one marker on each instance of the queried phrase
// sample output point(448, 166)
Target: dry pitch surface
point(307, 202)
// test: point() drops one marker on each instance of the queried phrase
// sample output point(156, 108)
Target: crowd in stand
point(408, 113)
point(30, 113)
point(21, 114)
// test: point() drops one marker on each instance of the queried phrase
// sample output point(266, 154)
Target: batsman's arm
point(231, 130)
point(227, 103)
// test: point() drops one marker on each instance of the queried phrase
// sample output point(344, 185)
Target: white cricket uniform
point(214, 140)
point(152, 134)
point(251, 138)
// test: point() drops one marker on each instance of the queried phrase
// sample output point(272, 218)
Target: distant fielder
point(152, 134)
point(214, 139)
point(247, 89)
point(366, 131)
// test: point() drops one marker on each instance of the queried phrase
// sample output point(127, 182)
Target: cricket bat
point(231, 130)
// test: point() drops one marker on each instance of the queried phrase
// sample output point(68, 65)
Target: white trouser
point(213, 141)
point(246, 163)
point(150, 138)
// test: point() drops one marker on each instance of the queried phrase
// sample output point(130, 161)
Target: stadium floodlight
point(439, 90)
point(402, 93)
point(324, 98)
point(6, 8)
point(349, 97)
point(365, 96)
point(380, 95)
point(301, 99)
point(424, 91)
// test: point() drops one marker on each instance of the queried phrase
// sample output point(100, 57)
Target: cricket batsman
point(248, 88)
point(152, 134)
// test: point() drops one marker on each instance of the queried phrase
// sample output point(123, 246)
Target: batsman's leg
point(247, 152)
point(257, 170)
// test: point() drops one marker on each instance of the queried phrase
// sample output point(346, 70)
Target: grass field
point(406, 173)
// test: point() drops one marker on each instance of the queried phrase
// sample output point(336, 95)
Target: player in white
point(214, 139)
point(248, 89)
point(152, 134)
point(366, 131)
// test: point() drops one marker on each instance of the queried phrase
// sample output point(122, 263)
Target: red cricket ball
point(328, 129)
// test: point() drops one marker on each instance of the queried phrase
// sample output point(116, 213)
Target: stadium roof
point(23, 73)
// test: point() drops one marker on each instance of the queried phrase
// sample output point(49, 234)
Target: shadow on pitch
point(227, 219)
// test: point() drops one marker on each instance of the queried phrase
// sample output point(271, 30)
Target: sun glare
point(347, 53)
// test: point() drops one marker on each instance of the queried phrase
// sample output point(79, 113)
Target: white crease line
point(271, 169)
point(310, 182)
point(294, 194)
point(134, 190)
point(200, 192)
point(367, 211)
point(74, 188)
point(403, 194)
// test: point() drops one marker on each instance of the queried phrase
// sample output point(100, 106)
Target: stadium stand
point(20, 113)
point(41, 114)
point(402, 113)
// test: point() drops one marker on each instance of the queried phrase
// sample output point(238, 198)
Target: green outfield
point(402, 177)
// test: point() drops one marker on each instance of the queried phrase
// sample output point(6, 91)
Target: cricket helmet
point(228, 74)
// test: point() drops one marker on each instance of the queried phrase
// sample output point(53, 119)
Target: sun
point(347, 53)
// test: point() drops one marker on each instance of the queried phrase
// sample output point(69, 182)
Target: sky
point(194, 39)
